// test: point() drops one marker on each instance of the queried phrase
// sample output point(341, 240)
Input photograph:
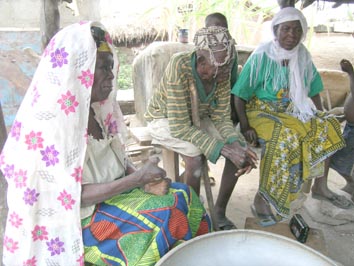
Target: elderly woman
point(196, 85)
point(65, 154)
point(279, 107)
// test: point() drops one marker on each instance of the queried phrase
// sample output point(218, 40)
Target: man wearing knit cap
point(196, 86)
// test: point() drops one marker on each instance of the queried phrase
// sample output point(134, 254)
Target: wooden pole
point(3, 184)
point(49, 20)
point(205, 175)
point(3, 131)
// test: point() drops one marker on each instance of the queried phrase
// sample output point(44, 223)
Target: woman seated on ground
point(273, 104)
point(65, 153)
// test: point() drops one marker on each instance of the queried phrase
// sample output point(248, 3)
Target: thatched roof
point(138, 23)
point(133, 34)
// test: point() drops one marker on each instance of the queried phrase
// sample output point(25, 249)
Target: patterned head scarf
point(300, 65)
point(211, 39)
point(43, 157)
point(99, 35)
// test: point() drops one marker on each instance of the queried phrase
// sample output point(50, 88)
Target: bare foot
point(337, 200)
point(349, 188)
point(321, 190)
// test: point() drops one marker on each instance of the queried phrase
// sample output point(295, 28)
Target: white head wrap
point(300, 65)
point(290, 14)
point(43, 156)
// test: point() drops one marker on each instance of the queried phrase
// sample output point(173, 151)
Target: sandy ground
point(328, 49)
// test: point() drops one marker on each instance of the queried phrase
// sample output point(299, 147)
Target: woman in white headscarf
point(279, 106)
point(73, 195)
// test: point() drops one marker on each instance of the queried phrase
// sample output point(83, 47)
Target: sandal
point(337, 200)
point(225, 224)
point(263, 219)
point(212, 181)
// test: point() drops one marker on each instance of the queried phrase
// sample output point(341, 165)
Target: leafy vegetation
point(244, 17)
point(124, 80)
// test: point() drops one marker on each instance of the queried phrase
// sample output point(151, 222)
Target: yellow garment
point(104, 47)
point(291, 150)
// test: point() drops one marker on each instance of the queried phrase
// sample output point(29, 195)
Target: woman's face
point(102, 83)
point(289, 34)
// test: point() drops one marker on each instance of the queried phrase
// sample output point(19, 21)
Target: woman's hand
point(159, 188)
point(150, 172)
point(248, 132)
point(250, 135)
point(153, 178)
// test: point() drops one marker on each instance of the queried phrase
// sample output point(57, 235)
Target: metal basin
point(246, 248)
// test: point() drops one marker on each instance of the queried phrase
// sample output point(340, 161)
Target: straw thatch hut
point(139, 23)
point(140, 32)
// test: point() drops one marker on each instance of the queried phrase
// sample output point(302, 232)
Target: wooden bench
point(138, 153)
point(170, 159)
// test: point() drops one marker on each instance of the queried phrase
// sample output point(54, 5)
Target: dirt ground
point(328, 49)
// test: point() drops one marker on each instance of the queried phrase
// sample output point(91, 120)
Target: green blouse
point(263, 89)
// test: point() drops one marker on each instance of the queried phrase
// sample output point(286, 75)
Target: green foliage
point(244, 17)
point(124, 80)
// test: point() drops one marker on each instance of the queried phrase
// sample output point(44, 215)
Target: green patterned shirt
point(172, 100)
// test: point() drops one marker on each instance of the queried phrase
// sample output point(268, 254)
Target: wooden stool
point(171, 165)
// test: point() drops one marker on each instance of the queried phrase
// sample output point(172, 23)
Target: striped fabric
point(172, 100)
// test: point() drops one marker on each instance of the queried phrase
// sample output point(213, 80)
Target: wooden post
point(3, 132)
point(205, 174)
point(170, 161)
point(49, 20)
point(3, 184)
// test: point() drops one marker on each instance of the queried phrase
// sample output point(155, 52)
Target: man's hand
point(242, 157)
point(249, 167)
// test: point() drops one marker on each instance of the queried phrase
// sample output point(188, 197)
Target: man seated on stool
point(205, 72)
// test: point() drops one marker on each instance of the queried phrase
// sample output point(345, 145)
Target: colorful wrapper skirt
point(138, 228)
point(292, 151)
